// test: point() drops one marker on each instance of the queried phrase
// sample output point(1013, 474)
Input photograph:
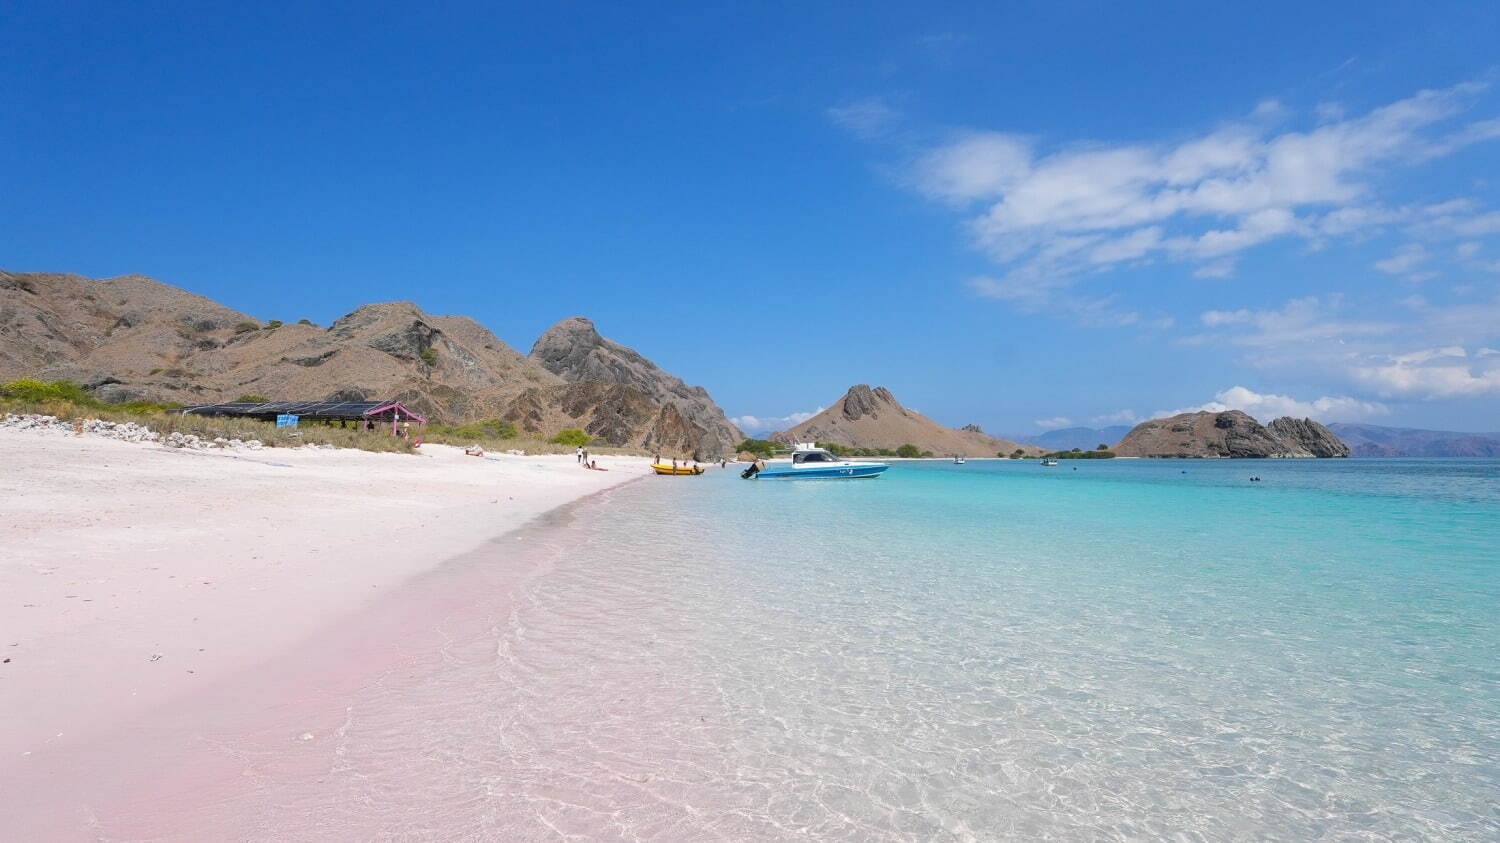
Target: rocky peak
point(861, 401)
point(568, 349)
point(575, 351)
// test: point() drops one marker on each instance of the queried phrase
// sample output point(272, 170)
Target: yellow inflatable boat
point(675, 469)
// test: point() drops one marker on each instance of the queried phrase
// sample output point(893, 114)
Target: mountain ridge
point(135, 338)
point(1370, 440)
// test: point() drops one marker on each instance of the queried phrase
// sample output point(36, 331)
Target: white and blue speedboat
point(809, 462)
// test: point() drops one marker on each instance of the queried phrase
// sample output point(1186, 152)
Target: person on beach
point(580, 453)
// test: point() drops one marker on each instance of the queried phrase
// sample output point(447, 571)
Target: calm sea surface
point(990, 651)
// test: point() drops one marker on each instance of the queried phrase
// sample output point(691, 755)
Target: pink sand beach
point(154, 602)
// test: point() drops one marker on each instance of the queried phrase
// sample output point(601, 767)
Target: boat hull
point(832, 471)
point(676, 470)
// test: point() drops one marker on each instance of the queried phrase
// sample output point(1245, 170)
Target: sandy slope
point(116, 552)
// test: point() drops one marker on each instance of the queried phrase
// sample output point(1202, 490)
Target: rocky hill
point(1372, 440)
point(1229, 434)
point(873, 418)
point(136, 338)
point(574, 351)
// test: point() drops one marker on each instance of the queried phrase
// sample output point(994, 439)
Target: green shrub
point(31, 389)
point(253, 399)
point(274, 323)
point(305, 322)
point(246, 327)
point(429, 356)
point(836, 449)
point(909, 451)
point(1076, 454)
point(760, 447)
point(571, 436)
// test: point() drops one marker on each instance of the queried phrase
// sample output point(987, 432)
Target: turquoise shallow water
point(995, 650)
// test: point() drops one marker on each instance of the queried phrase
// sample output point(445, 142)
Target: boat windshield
point(813, 456)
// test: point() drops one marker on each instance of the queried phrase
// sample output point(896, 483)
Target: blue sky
point(1019, 215)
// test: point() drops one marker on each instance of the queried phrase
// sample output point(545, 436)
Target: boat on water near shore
point(958, 460)
point(676, 469)
point(809, 462)
point(1048, 461)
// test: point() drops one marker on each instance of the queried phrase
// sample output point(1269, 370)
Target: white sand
point(112, 552)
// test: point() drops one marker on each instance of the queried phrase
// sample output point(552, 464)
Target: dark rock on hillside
point(1308, 436)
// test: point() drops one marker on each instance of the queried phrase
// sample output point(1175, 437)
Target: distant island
point(1230, 434)
point(869, 421)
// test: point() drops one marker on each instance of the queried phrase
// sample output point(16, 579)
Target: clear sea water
point(1131, 649)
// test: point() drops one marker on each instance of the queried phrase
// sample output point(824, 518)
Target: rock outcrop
point(873, 418)
point(575, 351)
point(1308, 437)
point(1229, 434)
point(133, 338)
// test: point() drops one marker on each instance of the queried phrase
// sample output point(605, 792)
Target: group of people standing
point(583, 460)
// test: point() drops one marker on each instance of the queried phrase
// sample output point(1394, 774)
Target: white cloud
point(1433, 373)
point(974, 166)
point(1268, 406)
point(1404, 261)
point(1298, 322)
point(1226, 317)
point(1053, 423)
point(1217, 269)
point(867, 118)
point(1118, 417)
point(1052, 217)
point(1329, 112)
point(766, 424)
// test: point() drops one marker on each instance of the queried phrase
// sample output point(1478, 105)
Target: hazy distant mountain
point(136, 338)
point(1230, 434)
point(1068, 438)
point(1369, 440)
point(873, 418)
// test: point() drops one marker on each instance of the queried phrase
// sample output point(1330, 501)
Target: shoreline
point(140, 577)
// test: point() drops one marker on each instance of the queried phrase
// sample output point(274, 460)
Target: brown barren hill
point(134, 338)
point(873, 418)
point(1229, 434)
point(574, 350)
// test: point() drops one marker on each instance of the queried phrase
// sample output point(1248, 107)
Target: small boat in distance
point(676, 469)
point(809, 462)
point(958, 459)
point(1048, 461)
